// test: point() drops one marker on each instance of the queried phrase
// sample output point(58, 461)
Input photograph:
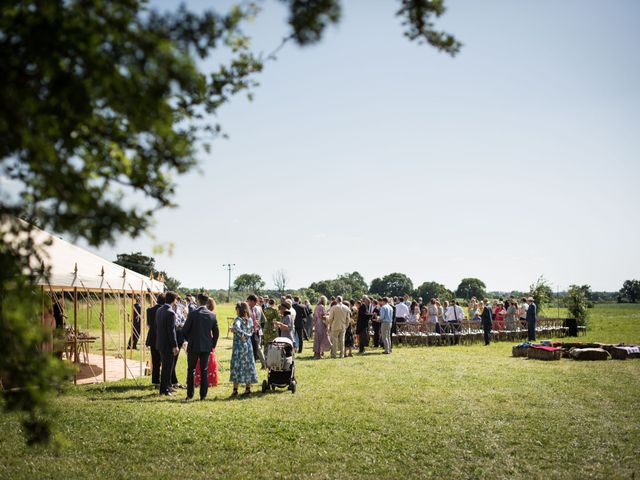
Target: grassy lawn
point(440, 412)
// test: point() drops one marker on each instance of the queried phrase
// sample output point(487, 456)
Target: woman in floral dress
point(243, 365)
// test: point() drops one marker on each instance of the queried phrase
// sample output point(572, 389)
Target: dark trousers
point(300, 332)
point(531, 327)
point(394, 329)
point(192, 360)
point(487, 334)
point(255, 346)
point(135, 336)
point(155, 365)
point(167, 369)
point(181, 339)
point(174, 378)
point(376, 334)
point(363, 340)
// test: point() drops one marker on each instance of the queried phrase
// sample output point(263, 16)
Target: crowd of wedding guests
point(336, 326)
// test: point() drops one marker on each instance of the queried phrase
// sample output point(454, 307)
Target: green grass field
point(439, 412)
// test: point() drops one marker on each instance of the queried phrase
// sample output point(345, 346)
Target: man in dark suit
point(531, 319)
point(487, 321)
point(166, 341)
point(301, 316)
point(135, 331)
point(151, 340)
point(362, 326)
point(201, 331)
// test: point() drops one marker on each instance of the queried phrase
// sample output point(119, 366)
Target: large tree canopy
point(429, 290)
point(251, 282)
point(137, 262)
point(631, 290)
point(104, 99)
point(349, 285)
point(471, 287)
point(102, 103)
point(394, 284)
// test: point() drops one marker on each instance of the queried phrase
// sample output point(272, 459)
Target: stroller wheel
point(273, 387)
point(265, 386)
point(292, 386)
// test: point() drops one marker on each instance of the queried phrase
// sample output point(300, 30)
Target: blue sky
point(366, 152)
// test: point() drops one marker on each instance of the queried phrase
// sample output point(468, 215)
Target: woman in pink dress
point(499, 314)
point(213, 361)
point(321, 341)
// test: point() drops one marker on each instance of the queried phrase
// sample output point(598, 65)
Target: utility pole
point(229, 266)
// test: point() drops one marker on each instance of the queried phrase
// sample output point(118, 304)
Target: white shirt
point(402, 311)
point(450, 316)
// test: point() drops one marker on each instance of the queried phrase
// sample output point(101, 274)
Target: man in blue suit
point(201, 331)
point(166, 341)
point(531, 319)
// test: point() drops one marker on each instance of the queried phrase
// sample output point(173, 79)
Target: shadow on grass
point(155, 397)
point(123, 388)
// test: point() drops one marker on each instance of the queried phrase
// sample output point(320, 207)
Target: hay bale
point(544, 353)
point(622, 352)
point(589, 354)
point(520, 350)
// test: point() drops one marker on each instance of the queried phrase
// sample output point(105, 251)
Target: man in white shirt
point(402, 312)
point(453, 315)
point(339, 317)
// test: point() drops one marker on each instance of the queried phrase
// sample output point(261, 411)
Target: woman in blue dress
point(243, 365)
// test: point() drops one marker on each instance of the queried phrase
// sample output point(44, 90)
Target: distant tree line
point(353, 285)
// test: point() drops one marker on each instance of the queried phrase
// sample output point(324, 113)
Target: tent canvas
point(71, 266)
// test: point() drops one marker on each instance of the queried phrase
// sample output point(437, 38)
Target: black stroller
point(280, 365)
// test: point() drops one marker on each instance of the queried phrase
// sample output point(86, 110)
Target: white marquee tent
point(90, 281)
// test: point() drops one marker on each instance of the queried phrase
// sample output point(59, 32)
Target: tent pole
point(75, 333)
point(104, 353)
point(143, 322)
point(132, 326)
point(118, 325)
point(124, 331)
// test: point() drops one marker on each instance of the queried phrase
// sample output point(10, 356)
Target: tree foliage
point(103, 103)
point(577, 303)
point(145, 265)
point(631, 290)
point(137, 262)
point(29, 375)
point(541, 293)
point(471, 287)
point(393, 284)
point(248, 282)
point(429, 290)
point(348, 285)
